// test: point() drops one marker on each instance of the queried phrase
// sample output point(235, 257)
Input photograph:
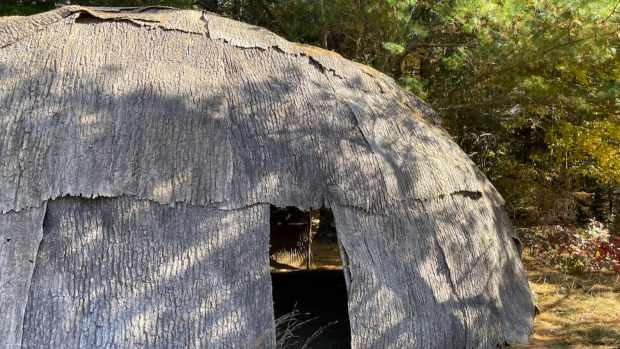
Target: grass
point(288, 326)
point(575, 311)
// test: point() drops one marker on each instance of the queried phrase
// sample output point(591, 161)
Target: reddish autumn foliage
point(576, 250)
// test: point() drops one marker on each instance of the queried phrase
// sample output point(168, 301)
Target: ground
point(575, 311)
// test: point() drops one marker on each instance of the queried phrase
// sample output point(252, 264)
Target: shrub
point(576, 250)
point(591, 250)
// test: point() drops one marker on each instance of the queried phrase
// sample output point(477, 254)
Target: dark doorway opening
point(309, 288)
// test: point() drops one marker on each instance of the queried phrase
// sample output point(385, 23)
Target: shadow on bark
point(171, 123)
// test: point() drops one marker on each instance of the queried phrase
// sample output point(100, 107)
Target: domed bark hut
point(140, 150)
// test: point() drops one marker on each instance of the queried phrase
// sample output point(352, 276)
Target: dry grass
point(288, 326)
point(575, 312)
point(326, 256)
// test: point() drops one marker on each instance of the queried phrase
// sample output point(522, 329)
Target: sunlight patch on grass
point(575, 311)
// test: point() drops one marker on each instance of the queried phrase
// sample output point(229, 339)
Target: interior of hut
point(309, 288)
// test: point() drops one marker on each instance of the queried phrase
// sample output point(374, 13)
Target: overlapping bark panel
point(190, 109)
point(442, 274)
point(20, 234)
point(175, 116)
point(15, 28)
point(127, 273)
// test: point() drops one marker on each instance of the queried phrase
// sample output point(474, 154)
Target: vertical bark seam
point(34, 268)
point(346, 264)
point(454, 291)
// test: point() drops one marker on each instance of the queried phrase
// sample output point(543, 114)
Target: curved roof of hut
point(185, 106)
point(175, 106)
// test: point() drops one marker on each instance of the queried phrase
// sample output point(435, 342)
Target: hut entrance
point(309, 288)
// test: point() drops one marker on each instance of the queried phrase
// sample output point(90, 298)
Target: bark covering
point(416, 279)
point(127, 273)
point(20, 234)
point(174, 116)
point(183, 126)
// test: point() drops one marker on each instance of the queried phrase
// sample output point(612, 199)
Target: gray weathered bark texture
point(174, 116)
point(189, 109)
point(20, 235)
point(415, 279)
point(127, 273)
